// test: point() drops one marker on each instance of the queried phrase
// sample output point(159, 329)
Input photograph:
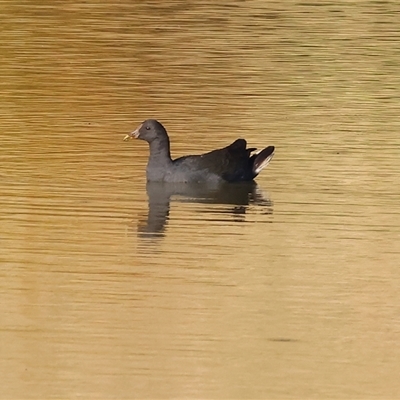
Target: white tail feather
point(260, 162)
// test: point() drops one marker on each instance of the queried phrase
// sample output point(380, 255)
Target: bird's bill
point(134, 134)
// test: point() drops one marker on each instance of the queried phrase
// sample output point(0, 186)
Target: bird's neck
point(160, 155)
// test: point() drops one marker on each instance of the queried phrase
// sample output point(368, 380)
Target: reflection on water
point(215, 296)
point(160, 194)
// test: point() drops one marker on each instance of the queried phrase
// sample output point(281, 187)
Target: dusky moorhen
point(231, 164)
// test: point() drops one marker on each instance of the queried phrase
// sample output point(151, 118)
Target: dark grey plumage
point(231, 164)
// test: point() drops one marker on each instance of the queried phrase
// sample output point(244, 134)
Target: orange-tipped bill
point(134, 134)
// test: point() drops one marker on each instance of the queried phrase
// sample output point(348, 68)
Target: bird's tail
point(262, 159)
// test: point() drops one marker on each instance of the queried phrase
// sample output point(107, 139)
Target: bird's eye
point(147, 128)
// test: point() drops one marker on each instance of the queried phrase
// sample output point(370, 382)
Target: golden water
point(110, 289)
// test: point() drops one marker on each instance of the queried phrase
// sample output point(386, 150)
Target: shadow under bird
point(233, 163)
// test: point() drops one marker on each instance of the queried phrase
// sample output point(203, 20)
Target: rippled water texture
point(288, 288)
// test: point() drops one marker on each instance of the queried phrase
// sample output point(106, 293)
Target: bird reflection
point(236, 195)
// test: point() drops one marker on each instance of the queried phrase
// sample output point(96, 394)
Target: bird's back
point(231, 163)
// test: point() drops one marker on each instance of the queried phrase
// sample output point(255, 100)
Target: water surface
point(112, 288)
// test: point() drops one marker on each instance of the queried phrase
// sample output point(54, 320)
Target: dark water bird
point(233, 163)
